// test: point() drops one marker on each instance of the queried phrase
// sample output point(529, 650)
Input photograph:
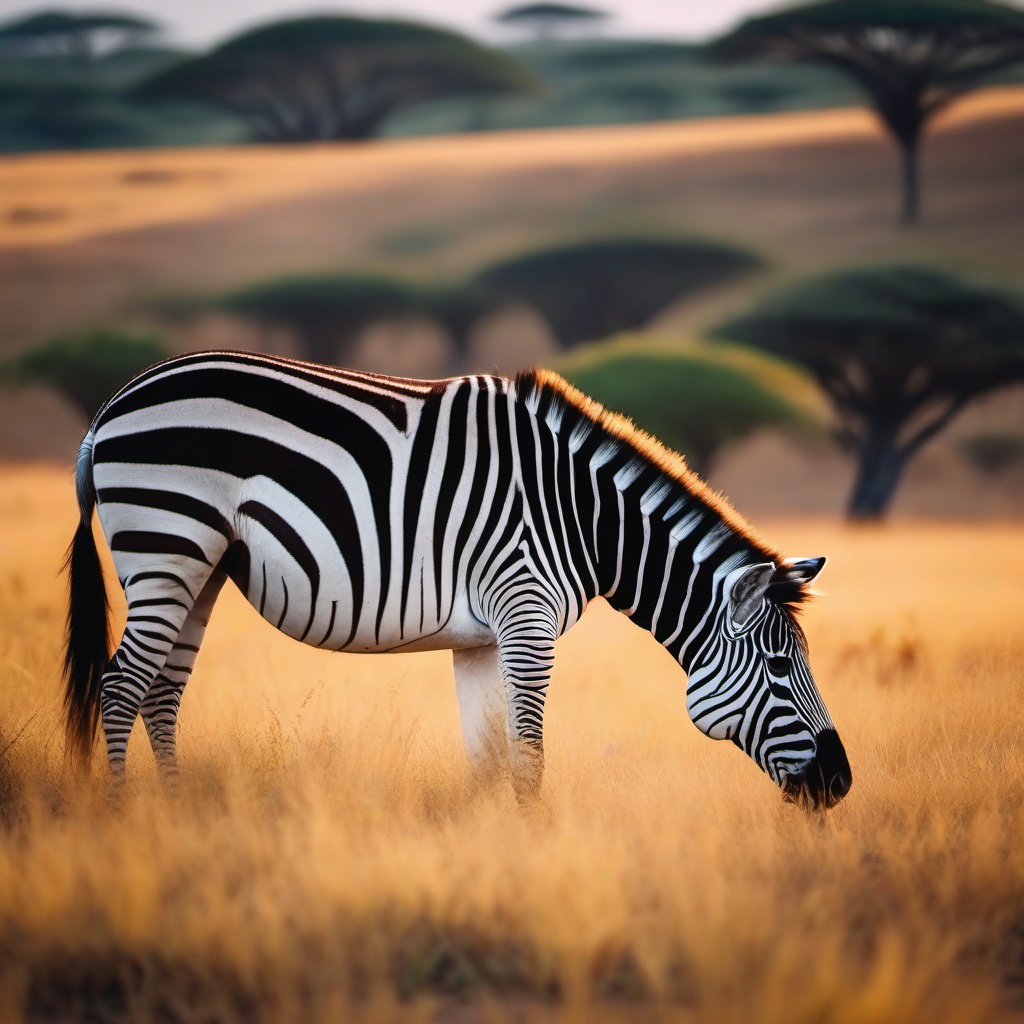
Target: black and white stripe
point(375, 514)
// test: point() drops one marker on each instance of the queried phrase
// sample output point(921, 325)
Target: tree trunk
point(878, 472)
point(910, 176)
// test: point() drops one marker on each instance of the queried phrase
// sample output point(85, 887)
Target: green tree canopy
point(326, 77)
point(592, 290)
point(85, 368)
point(898, 350)
point(67, 116)
point(78, 34)
point(911, 57)
point(327, 312)
point(457, 308)
point(695, 399)
point(546, 20)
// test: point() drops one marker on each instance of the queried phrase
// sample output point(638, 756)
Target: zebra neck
point(620, 515)
point(661, 555)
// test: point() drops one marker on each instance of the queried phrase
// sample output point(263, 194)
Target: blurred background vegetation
point(84, 82)
point(817, 318)
point(88, 80)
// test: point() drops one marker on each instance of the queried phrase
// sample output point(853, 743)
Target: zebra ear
point(802, 571)
point(746, 588)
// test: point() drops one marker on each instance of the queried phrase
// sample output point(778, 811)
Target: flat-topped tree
point(898, 350)
point(592, 290)
point(912, 58)
point(545, 21)
point(457, 308)
point(325, 313)
point(697, 400)
point(321, 78)
point(85, 368)
point(82, 35)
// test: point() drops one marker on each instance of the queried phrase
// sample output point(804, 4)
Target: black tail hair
point(87, 649)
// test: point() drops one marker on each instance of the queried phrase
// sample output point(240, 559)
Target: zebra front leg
point(161, 704)
point(483, 713)
point(526, 656)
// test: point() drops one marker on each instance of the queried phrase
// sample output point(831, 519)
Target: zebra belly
point(463, 631)
point(332, 622)
point(329, 594)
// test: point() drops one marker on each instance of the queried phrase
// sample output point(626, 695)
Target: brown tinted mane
point(650, 450)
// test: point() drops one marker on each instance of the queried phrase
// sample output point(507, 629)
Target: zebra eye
point(779, 665)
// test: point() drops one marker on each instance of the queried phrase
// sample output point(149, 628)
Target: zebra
point(368, 513)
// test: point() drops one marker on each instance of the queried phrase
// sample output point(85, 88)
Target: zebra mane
point(789, 593)
point(578, 409)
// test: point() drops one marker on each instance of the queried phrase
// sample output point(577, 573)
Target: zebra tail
point(87, 649)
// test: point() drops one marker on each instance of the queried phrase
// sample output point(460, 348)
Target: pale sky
point(201, 22)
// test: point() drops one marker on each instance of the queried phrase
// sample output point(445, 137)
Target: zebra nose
point(826, 778)
point(830, 774)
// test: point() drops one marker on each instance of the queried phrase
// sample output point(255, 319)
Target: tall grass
point(324, 859)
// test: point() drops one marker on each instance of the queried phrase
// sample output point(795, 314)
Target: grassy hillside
point(57, 103)
point(90, 239)
point(99, 232)
point(52, 103)
point(608, 81)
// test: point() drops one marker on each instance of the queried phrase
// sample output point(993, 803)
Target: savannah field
point(323, 857)
point(324, 860)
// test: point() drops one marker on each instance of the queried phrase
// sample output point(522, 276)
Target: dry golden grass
point(53, 198)
point(324, 861)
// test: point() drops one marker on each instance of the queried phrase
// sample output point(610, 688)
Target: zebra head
point(750, 683)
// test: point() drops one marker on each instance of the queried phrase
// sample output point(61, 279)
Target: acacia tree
point(695, 401)
point(912, 58)
point(78, 34)
point(457, 308)
point(899, 351)
point(592, 290)
point(323, 78)
point(547, 20)
point(326, 313)
point(86, 368)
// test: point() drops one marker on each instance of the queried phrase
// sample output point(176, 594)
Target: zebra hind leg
point(159, 603)
point(161, 703)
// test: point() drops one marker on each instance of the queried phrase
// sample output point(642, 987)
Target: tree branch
point(925, 433)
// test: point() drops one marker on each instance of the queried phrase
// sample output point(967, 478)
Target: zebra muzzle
point(825, 779)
